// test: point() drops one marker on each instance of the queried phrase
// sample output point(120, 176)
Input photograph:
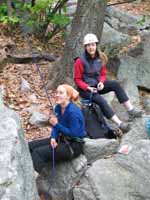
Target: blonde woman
point(68, 130)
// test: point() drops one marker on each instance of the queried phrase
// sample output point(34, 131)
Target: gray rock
point(143, 69)
point(16, 175)
point(25, 86)
point(113, 40)
point(129, 66)
point(38, 119)
point(67, 175)
point(85, 193)
point(125, 22)
point(136, 51)
point(137, 132)
point(59, 185)
point(124, 176)
point(99, 148)
point(134, 72)
point(147, 105)
point(1, 100)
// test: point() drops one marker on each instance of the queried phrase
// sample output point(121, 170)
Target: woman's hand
point(53, 120)
point(53, 143)
point(100, 86)
point(92, 89)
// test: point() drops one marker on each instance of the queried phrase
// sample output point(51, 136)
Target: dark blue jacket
point(70, 123)
point(92, 68)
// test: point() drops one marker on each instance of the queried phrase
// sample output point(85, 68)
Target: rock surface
point(124, 176)
point(39, 119)
point(134, 71)
point(17, 180)
point(59, 183)
point(99, 148)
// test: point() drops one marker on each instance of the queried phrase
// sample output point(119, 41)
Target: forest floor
point(135, 8)
point(26, 102)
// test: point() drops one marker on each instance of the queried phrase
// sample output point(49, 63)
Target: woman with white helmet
point(90, 77)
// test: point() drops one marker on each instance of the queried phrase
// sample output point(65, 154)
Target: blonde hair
point(72, 93)
point(103, 57)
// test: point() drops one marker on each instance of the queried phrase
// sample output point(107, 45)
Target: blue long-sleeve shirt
point(70, 123)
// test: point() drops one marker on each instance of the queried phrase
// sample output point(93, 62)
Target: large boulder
point(57, 183)
point(134, 71)
point(137, 132)
point(112, 40)
point(99, 148)
point(127, 74)
point(124, 176)
point(39, 119)
point(17, 180)
point(126, 22)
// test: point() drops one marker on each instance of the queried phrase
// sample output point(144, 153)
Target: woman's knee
point(41, 153)
point(115, 84)
point(98, 99)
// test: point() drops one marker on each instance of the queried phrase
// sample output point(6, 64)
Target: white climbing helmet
point(90, 38)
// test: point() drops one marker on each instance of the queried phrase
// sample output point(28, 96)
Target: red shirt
point(78, 74)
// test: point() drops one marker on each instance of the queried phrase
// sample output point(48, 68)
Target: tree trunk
point(33, 3)
point(89, 18)
point(9, 8)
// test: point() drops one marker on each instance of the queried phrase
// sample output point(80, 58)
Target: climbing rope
point(29, 42)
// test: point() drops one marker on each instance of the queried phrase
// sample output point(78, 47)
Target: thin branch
point(59, 5)
point(118, 3)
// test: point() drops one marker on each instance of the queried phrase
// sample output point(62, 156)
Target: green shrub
point(36, 18)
